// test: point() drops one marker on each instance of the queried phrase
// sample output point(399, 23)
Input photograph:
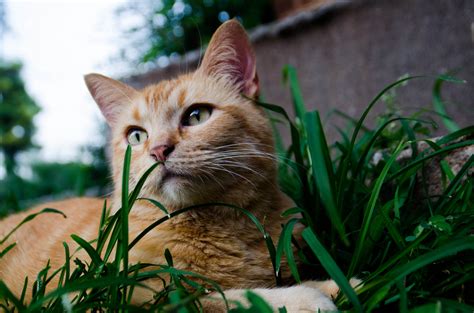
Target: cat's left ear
point(230, 56)
point(111, 95)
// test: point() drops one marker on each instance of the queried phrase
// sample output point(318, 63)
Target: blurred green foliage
point(17, 110)
point(46, 180)
point(55, 180)
point(169, 27)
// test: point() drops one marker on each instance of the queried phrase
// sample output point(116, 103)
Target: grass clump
point(365, 218)
point(375, 220)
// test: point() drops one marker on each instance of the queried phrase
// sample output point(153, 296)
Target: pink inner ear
point(109, 94)
point(249, 66)
point(103, 94)
point(250, 77)
point(230, 55)
point(242, 69)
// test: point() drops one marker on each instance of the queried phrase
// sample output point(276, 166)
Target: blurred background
point(52, 137)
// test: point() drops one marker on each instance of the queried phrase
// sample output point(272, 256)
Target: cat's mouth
point(169, 175)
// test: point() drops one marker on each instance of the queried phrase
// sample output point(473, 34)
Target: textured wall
point(346, 55)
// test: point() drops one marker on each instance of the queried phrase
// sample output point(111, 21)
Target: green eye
point(136, 136)
point(196, 114)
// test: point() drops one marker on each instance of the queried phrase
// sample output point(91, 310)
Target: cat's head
point(215, 143)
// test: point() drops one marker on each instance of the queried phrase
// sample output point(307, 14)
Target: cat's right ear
point(230, 56)
point(111, 95)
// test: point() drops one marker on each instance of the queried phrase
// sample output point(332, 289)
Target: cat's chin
point(176, 188)
point(176, 192)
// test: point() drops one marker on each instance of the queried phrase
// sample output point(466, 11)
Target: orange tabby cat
point(216, 146)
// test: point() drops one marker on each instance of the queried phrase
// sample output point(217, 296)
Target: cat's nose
point(161, 152)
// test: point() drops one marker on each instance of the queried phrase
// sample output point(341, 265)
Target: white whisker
point(222, 168)
point(240, 165)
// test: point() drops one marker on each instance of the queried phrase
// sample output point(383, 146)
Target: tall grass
point(413, 251)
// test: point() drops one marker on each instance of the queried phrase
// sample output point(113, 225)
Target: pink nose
point(161, 153)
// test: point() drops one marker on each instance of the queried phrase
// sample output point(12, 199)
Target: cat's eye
point(136, 136)
point(196, 114)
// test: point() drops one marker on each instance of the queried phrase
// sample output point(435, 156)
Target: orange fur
point(227, 159)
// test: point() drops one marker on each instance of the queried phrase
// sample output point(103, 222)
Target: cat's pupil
point(136, 136)
point(196, 114)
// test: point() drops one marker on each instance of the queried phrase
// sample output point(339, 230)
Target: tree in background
point(17, 110)
point(46, 180)
point(172, 27)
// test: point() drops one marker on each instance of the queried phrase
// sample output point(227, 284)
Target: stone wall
point(347, 52)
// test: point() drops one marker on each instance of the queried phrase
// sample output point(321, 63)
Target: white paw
point(297, 299)
point(330, 288)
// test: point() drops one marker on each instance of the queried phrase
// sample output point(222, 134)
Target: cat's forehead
point(171, 93)
point(174, 95)
point(161, 100)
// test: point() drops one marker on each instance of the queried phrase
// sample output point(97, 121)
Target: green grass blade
point(347, 159)
point(428, 308)
point(391, 228)
point(157, 204)
point(374, 101)
point(454, 183)
point(378, 296)
point(111, 233)
point(323, 174)
point(67, 262)
point(8, 248)
point(121, 251)
point(23, 291)
point(39, 286)
point(292, 211)
point(95, 257)
point(331, 267)
point(6, 294)
point(467, 131)
point(369, 211)
point(30, 218)
point(290, 76)
point(403, 296)
point(456, 306)
point(451, 248)
point(136, 191)
point(284, 246)
point(394, 260)
point(103, 218)
point(420, 161)
point(438, 105)
point(257, 303)
point(80, 285)
point(177, 301)
point(374, 138)
point(347, 117)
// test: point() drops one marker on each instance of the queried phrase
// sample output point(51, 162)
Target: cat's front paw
point(298, 299)
point(295, 299)
point(330, 288)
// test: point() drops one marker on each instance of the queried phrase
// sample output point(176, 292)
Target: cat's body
point(215, 146)
point(231, 253)
point(40, 240)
